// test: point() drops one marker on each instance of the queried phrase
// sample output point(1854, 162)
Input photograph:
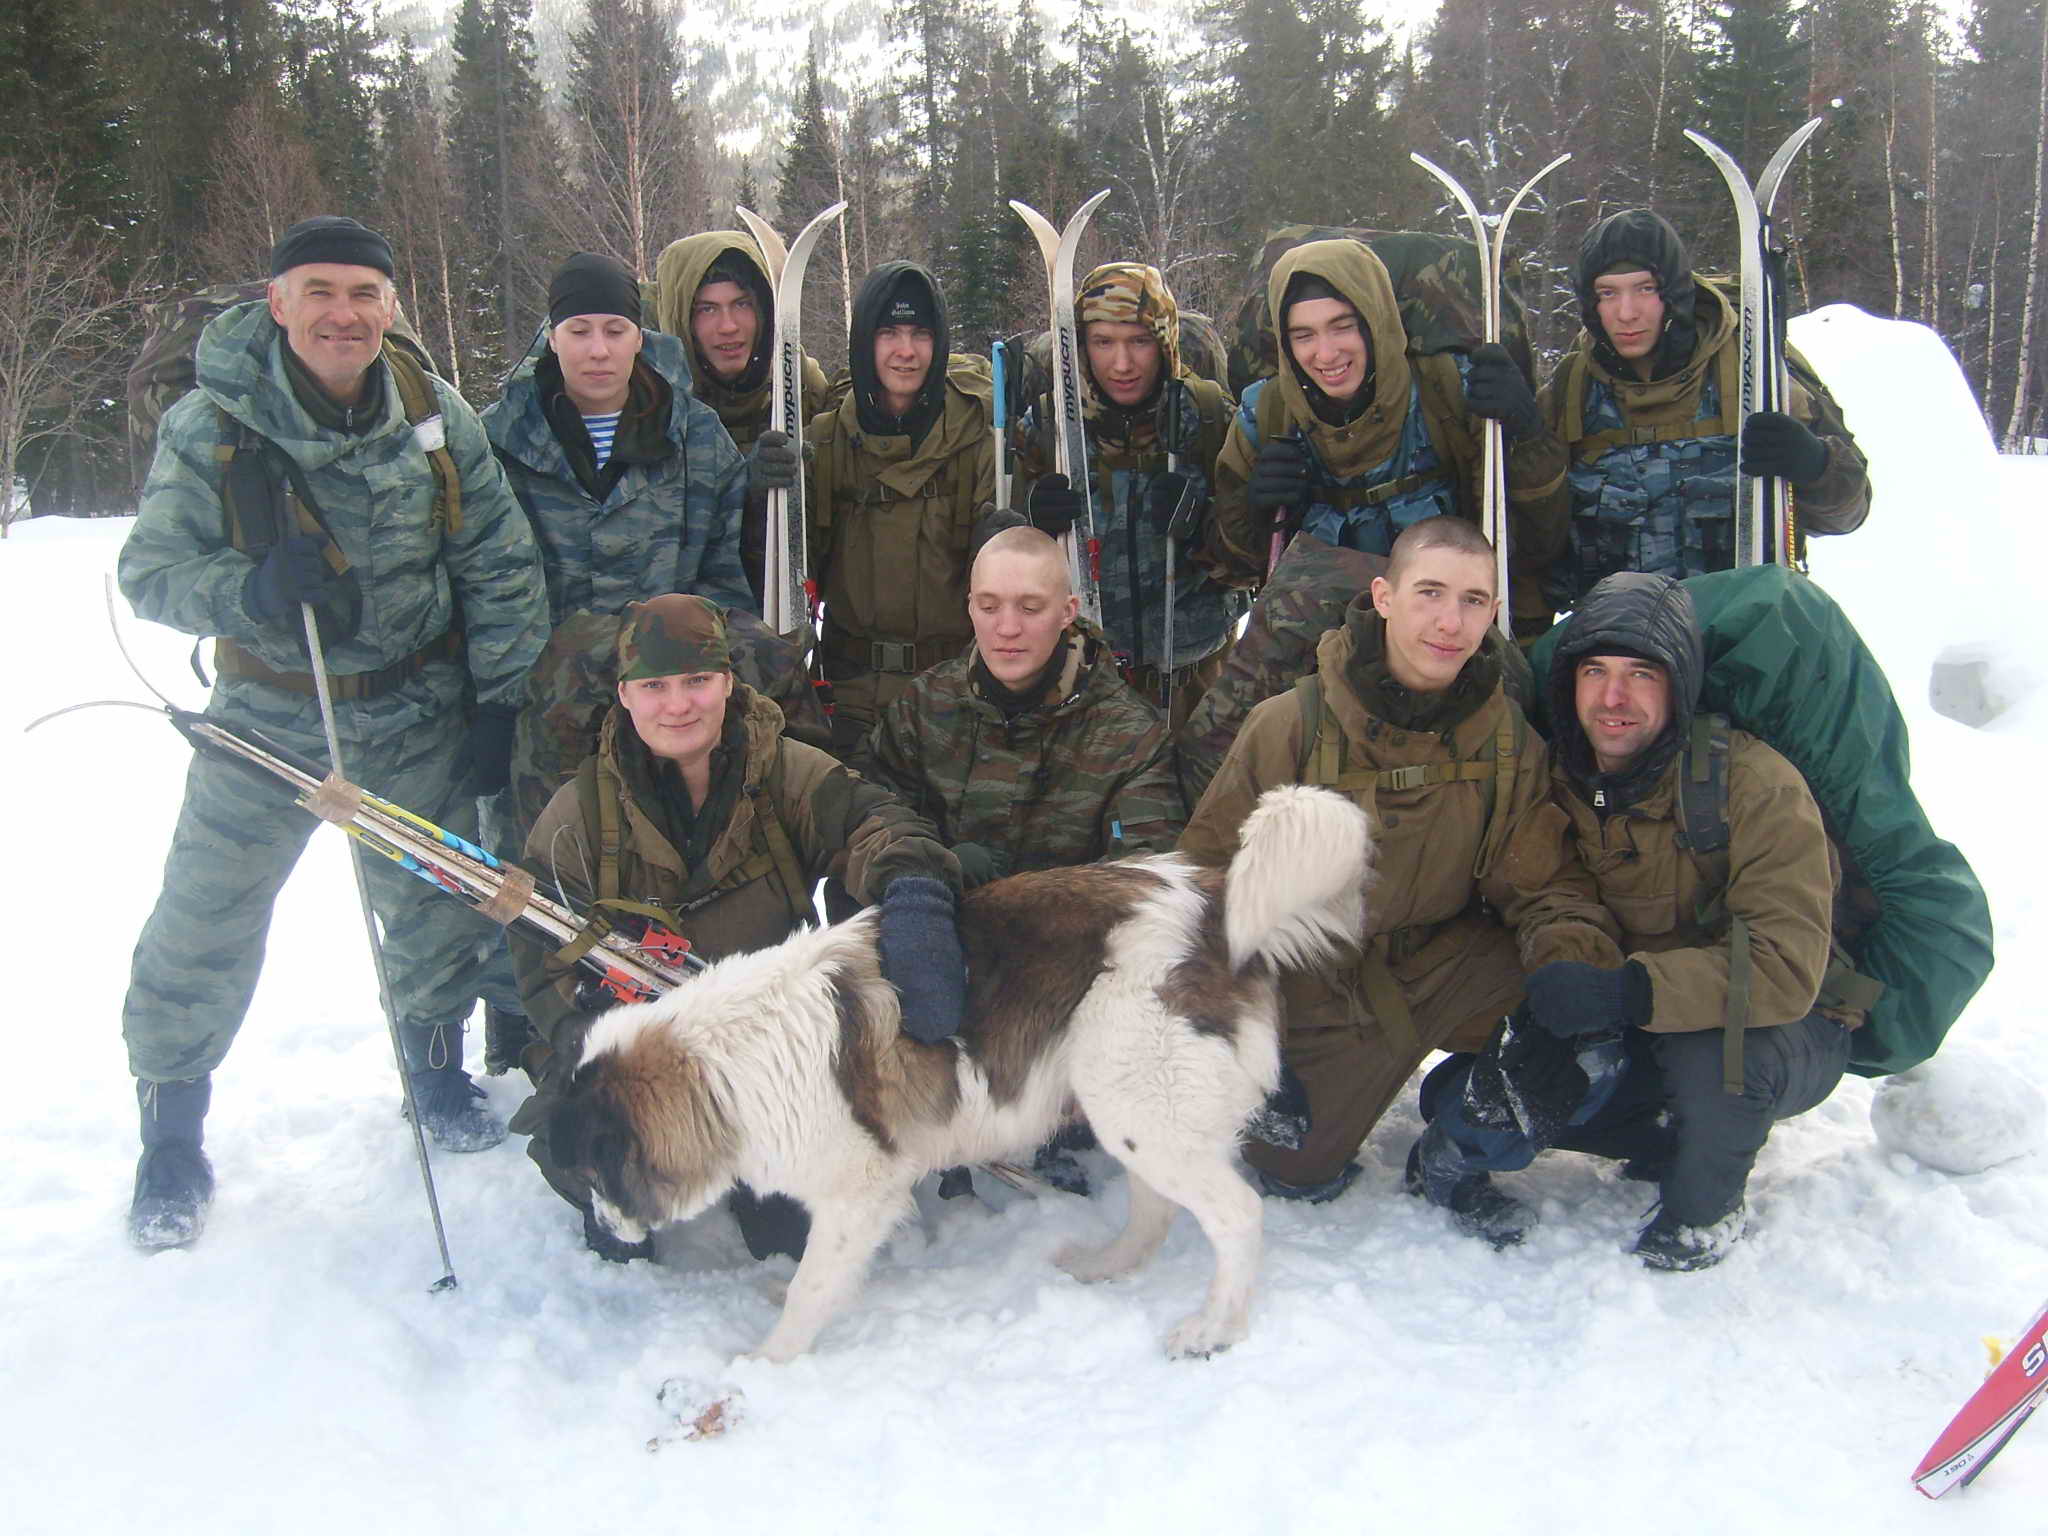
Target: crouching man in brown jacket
point(1717, 1016)
point(1406, 714)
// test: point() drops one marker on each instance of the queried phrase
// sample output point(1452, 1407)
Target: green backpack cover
point(1785, 664)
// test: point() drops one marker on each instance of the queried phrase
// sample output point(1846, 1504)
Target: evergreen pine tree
point(503, 154)
point(637, 163)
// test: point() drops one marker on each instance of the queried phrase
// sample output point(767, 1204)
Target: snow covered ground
point(291, 1372)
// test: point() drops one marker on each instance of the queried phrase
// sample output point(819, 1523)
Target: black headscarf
point(878, 295)
point(1637, 240)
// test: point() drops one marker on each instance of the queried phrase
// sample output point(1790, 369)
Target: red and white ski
point(1991, 1417)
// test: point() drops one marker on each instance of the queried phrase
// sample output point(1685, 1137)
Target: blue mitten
point(921, 957)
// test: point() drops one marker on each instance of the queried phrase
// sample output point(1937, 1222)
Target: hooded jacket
point(1652, 463)
point(663, 517)
point(892, 506)
point(745, 406)
point(1673, 908)
point(375, 491)
point(1413, 451)
point(1084, 774)
point(1126, 458)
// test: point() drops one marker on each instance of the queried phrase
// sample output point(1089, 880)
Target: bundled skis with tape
point(631, 968)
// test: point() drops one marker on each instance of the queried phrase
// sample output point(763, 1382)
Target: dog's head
point(640, 1123)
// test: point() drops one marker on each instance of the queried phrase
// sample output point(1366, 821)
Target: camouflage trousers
point(1456, 985)
point(238, 837)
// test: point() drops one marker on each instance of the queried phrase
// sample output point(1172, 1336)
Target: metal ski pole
point(318, 657)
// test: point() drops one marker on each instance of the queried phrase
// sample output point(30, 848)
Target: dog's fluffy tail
point(1295, 894)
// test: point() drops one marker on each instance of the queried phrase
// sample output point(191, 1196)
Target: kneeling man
point(1711, 1022)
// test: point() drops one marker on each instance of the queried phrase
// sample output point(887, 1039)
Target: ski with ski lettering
point(1991, 1417)
point(790, 594)
point(1763, 504)
point(1493, 461)
point(1083, 544)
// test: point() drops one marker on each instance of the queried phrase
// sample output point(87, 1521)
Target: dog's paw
point(1199, 1337)
point(1089, 1265)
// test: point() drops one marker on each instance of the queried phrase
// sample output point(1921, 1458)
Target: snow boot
point(451, 1108)
point(1475, 1205)
point(1672, 1246)
point(506, 1036)
point(1315, 1194)
point(173, 1180)
point(1284, 1119)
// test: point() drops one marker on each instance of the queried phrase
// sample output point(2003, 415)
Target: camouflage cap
point(1135, 294)
point(671, 635)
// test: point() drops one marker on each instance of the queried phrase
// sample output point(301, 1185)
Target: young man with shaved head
point(1029, 751)
point(1406, 714)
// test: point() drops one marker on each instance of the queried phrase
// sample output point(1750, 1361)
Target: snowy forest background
point(152, 145)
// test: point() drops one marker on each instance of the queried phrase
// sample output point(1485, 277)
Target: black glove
point(1494, 387)
point(294, 572)
point(1279, 483)
point(921, 957)
point(1055, 506)
point(773, 465)
point(485, 760)
point(1528, 1080)
point(1569, 998)
point(1163, 506)
point(980, 863)
point(1775, 444)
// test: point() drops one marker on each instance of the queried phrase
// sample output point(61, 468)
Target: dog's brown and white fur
point(1141, 995)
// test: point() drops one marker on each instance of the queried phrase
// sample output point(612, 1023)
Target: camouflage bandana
point(1132, 293)
point(673, 635)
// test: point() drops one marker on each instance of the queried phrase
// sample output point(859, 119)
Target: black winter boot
point(506, 1036)
point(1669, 1245)
point(451, 1107)
point(1475, 1205)
point(173, 1180)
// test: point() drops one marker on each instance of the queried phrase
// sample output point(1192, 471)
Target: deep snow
point(291, 1373)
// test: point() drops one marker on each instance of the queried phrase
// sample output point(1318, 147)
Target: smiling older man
point(300, 391)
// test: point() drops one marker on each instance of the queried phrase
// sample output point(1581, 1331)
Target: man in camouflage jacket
point(1645, 405)
point(1030, 751)
point(1135, 396)
point(301, 386)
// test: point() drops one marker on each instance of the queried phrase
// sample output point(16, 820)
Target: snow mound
point(1959, 1113)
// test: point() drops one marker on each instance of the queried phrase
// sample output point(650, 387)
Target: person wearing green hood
point(1646, 405)
point(1356, 439)
point(905, 469)
point(712, 290)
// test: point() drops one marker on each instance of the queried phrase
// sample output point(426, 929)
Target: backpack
point(1436, 280)
point(1785, 664)
point(164, 371)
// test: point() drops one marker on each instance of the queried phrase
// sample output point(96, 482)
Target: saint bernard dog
point(1140, 995)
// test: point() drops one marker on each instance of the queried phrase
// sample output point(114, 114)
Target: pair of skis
point(790, 593)
point(1764, 527)
point(1493, 461)
point(1082, 543)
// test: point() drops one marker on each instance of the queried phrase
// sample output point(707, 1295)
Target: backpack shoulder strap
point(423, 411)
point(779, 849)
